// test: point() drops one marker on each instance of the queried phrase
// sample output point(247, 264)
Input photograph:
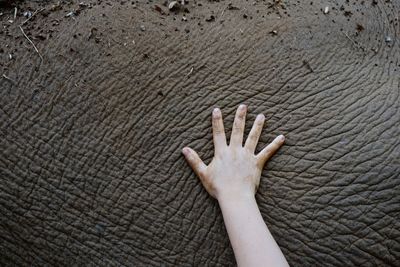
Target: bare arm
point(251, 240)
point(232, 178)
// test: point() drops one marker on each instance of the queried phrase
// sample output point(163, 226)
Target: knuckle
point(218, 131)
point(273, 148)
point(201, 173)
point(191, 158)
point(241, 115)
point(239, 123)
point(268, 150)
point(253, 137)
point(237, 129)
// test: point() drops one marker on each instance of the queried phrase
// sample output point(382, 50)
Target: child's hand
point(235, 170)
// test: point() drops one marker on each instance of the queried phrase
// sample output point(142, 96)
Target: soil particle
point(92, 34)
point(276, 4)
point(159, 9)
point(348, 13)
point(27, 14)
point(40, 37)
point(56, 7)
point(173, 6)
point(388, 39)
point(70, 14)
point(232, 7)
point(359, 27)
point(274, 32)
point(210, 18)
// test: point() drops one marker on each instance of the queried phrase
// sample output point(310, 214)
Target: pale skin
point(232, 178)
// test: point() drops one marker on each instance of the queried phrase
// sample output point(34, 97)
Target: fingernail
point(216, 110)
point(185, 151)
point(242, 106)
point(260, 117)
point(281, 138)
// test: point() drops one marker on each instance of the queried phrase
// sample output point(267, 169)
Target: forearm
point(250, 238)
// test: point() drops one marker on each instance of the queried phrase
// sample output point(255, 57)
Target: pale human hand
point(235, 169)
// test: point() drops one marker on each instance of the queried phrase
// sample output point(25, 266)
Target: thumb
point(194, 161)
point(270, 150)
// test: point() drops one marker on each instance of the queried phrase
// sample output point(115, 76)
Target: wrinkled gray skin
point(90, 150)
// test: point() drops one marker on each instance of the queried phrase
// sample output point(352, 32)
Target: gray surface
point(90, 164)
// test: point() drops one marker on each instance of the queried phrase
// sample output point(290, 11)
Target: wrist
point(235, 197)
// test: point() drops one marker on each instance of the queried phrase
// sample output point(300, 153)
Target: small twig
point(354, 43)
point(222, 13)
point(348, 37)
point(34, 13)
point(190, 72)
point(9, 79)
point(34, 46)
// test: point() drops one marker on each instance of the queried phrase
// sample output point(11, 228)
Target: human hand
point(235, 170)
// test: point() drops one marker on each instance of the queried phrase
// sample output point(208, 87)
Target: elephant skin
point(90, 151)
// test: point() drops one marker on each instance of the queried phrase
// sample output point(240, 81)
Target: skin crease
point(232, 178)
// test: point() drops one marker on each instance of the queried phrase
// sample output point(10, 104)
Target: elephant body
point(91, 136)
